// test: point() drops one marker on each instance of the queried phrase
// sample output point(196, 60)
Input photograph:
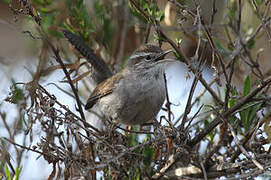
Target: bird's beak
point(162, 55)
point(165, 61)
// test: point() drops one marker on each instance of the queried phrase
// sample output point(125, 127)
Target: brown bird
point(134, 95)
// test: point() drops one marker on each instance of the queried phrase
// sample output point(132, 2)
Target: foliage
point(235, 126)
point(16, 175)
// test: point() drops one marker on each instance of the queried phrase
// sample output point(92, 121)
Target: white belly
point(134, 102)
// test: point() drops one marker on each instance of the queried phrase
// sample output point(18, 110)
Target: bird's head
point(147, 54)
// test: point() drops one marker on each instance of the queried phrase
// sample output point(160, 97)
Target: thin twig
point(229, 112)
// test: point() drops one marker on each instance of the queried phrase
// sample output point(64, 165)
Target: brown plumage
point(136, 93)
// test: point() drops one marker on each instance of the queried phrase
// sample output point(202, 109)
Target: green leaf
point(232, 13)
point(108, 31)
point(232, 100)
point(47, 22)
point(230, 47)
point(252, 112)
point(7, 173)
point(247, 86)
point(17, 94)
point(146, 6)
point(258, 2)
point(6, 1)
point(251, 43)
point(247, 116)
point(160, 16)
point(137, 14)
point(211, 135)
point(133, 139)
point(177, 56)
point(231, 103)
point(99, 10)
point(148, 155)
point(17, 173)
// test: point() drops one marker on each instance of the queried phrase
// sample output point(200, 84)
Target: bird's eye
point(148, 57)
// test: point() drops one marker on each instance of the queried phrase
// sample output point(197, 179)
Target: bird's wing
point(103, 89)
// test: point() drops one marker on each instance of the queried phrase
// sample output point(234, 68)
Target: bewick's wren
point(134, 95)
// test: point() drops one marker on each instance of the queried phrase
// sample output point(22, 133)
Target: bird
point(134, 95)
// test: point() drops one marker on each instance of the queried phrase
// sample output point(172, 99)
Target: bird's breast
point(134, 100)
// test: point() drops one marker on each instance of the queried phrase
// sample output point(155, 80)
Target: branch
point(229, 112)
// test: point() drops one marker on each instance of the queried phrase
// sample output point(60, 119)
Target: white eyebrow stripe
point(142, 54)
